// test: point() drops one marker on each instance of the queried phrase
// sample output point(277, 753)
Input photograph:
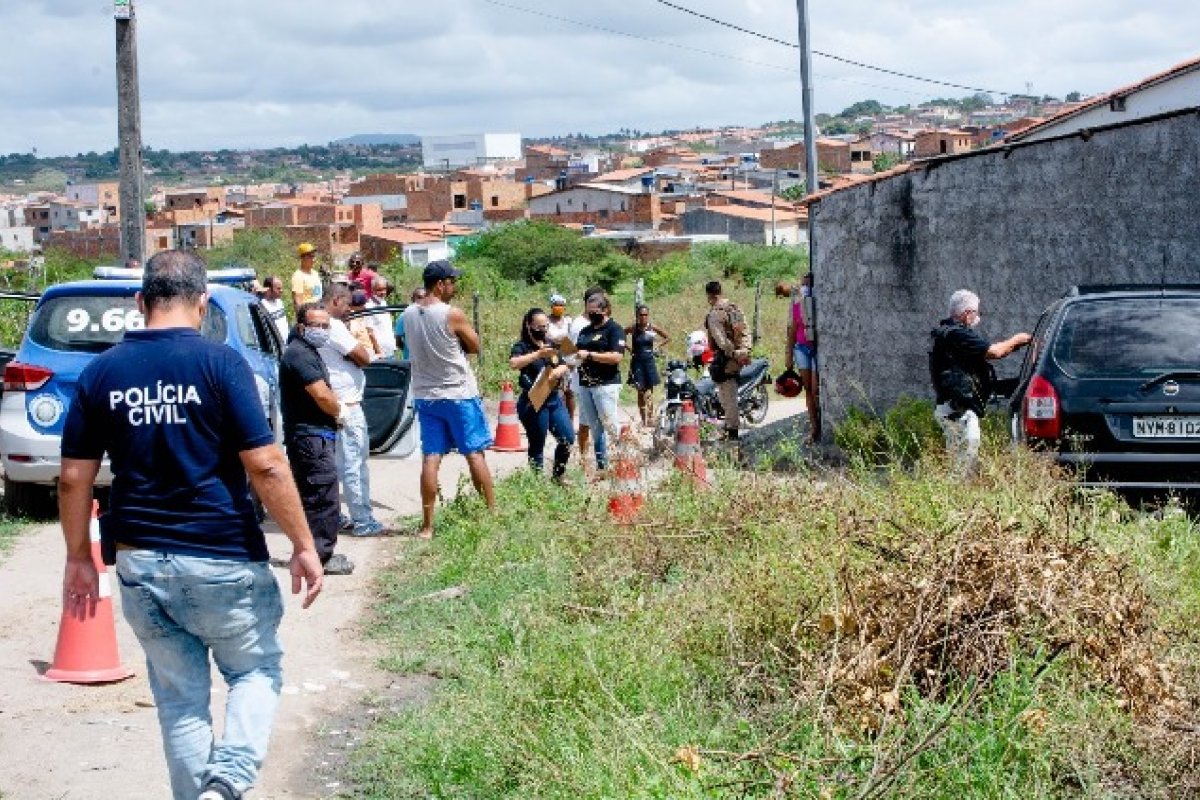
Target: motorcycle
point(752, 394)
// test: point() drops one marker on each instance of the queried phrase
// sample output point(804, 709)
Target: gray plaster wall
point(701, 221)
point(1019, 228)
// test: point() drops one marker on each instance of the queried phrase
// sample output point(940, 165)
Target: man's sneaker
point(219, 789)
point(338, 564)
point(372, 528)
point(345, 524)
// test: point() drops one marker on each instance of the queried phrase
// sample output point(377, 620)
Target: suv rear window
point(92, 324)
point(1129, 337)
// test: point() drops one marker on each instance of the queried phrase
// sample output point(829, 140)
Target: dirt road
point(62, 741)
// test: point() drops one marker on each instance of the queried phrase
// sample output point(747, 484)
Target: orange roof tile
point(1145, 83)
point(761, 214)
point(621, 175)
point(403, 236)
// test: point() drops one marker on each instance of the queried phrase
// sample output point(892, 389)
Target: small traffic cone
point(626, 499)
point(688, 458)
point(87, 648)
point(508, 426)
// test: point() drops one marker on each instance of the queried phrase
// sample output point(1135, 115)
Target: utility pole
point(774, 186)
point(129, 136)
point(810, 175)
point(810, 141)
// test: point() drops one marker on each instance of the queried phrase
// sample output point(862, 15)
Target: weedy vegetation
point(883, 631)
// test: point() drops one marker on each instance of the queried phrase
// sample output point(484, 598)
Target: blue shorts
point(452, 425)
point(804, 357)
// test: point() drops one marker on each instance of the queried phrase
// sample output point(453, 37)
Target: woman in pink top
point(801, 354)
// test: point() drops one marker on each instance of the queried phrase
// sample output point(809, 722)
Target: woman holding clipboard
point(540, 405)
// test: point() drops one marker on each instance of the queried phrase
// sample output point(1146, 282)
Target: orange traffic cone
point(688, 458)
point(87, 648)
point(626, 499)
point(508, 426)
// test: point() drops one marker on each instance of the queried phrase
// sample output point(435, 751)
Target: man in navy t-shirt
point(181, 421)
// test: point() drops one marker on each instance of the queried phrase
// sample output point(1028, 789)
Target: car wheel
point(29, 500)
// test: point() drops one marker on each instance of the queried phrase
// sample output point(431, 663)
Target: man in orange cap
point(306, 281)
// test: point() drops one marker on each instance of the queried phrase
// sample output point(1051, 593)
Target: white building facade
point(469, 149)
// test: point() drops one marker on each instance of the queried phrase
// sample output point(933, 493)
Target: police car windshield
point(1129, 337)
point(92, 324)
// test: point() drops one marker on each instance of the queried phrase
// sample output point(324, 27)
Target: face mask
point(537, 335)
point(316, 336)
point(974, 323)
point(596, 318)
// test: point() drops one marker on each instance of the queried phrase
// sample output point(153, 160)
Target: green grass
point(686, 655)
point(10, 530)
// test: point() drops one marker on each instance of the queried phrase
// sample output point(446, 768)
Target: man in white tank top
point(445, 393)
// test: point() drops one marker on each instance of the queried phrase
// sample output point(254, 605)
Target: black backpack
point(965, 387)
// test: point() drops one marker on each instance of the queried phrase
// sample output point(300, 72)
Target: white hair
point(961, 301)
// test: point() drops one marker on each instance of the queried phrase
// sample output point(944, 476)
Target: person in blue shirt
point(182, 424)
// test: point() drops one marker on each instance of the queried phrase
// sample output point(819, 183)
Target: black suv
point(1111, 384)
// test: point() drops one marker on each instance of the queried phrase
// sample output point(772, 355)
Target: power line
point(842, 59)
point(676, 45)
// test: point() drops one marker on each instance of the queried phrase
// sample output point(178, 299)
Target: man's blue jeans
point(182, 608)
point(354, 447)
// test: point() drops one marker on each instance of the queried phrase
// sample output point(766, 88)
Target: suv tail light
point(1043, 417)
point(20, 377)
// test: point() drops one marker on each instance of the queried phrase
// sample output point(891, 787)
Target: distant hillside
point(368, 139)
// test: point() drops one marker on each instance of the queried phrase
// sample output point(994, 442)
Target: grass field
point(867, 634)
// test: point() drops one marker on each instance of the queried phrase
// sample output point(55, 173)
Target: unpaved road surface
point(66, 742)
point(63, 741)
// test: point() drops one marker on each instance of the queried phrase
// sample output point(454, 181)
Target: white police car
point(73, 322)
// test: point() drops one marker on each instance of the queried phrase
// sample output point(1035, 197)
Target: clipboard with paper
point(542, 387)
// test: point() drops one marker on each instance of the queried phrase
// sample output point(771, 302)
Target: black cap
point(437, 270)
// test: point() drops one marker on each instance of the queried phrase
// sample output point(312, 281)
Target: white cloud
point(230, 73)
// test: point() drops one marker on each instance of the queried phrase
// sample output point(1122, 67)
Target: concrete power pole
point(129, 136)
point(810, 141)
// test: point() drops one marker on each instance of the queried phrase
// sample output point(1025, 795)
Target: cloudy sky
point(256, 73)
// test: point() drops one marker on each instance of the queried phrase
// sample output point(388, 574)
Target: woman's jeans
point(551, 418)
point(598, 410)
point(182, 608)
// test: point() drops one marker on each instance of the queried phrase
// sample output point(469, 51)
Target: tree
point(882, 162)
point(525, 251)
point(863, 108)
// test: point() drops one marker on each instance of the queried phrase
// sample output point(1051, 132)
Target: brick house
point(599, 204)
point(943, 143)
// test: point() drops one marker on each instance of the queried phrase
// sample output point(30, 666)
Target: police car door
point(387, 403)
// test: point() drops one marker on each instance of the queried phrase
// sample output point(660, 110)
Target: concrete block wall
point(1017, 227)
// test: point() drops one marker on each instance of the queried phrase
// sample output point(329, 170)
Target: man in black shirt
point(962, 377)
point(180, 420)
point(601, 347)
point(310, 421)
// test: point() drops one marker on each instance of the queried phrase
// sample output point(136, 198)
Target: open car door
point(387, 403)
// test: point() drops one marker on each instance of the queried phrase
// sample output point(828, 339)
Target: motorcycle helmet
point(788, 384)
